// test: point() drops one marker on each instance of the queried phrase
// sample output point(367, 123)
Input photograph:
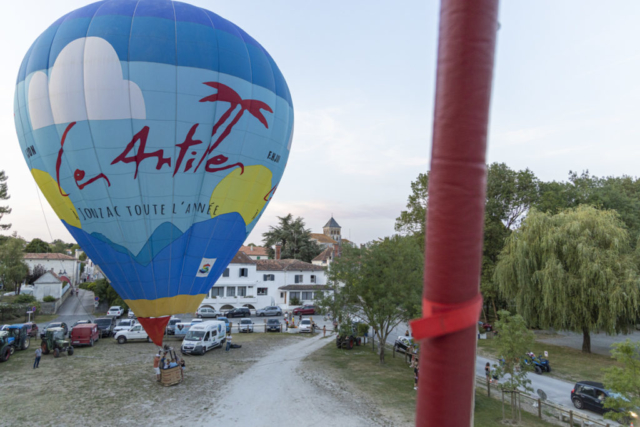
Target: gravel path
point(272, 392)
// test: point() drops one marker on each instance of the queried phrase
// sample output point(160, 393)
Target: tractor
point(18, 337)
point(55, 342)
point(5, 347)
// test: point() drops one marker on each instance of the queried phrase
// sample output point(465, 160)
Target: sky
point(565, 97)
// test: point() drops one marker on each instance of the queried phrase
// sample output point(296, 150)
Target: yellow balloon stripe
point(165, 306)
point(62, 206)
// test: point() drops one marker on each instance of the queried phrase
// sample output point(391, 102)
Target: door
point(588, 395)
point(136, 333)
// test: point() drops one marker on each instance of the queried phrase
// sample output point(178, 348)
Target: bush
point(363, 328)
point(295, 301)
point(48, 298)
point(25, 299)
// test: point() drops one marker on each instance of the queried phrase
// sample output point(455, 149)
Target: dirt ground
point(111, 384)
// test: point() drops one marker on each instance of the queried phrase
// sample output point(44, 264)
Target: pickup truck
point(124, 325)
point(137, 332)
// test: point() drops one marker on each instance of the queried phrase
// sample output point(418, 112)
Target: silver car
point(207, 312)
point(269, 311)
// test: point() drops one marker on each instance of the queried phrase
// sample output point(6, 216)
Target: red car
point(84, 334)
point(305, 309)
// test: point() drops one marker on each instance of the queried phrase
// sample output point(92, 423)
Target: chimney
point(336, 250)
point(278, 247)
point(251, 248)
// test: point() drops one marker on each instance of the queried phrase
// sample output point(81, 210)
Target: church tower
point(332, 229)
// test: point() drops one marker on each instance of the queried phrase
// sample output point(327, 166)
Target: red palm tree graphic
point(226, 94)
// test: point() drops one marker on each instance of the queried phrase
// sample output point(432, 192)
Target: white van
point(204, 336)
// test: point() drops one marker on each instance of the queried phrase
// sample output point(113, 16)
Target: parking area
point(112, 384)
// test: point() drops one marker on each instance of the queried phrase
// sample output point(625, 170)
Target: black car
point(274, 325)
point(171, 327)
point(81, 322)
point(239, 312)
point(105, 326)
point(591, 395)
point(62, 325)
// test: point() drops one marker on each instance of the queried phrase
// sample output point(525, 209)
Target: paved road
point(75, 308)
point(557, 391)
point(600, 343)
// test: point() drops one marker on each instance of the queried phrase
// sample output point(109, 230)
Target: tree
point(382, 283)
point(83, 256)
point(13, 269)
point(413, 221)
point(38, 271)
point(513, 342)
point(59, 247)
point(4, 195)
point(37, 246)
point(572, 271)
point(295, 240)
point(623, 380)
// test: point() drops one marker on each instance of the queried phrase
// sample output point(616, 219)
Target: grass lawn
point(488, 413)
point(566, 363)
point(390, 385)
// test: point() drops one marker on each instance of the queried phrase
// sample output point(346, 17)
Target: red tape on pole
point(444, 319)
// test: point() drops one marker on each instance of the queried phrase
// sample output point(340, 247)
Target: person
point(300, 317)
point(182, 365)
point(228, 340)
point(406, 333)
point(36, 363)
point(335, 326)
point(416, 370)
point(156, 364)
point(487, 372)
point(324, 330)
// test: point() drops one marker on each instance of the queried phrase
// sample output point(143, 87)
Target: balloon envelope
point(158, 132)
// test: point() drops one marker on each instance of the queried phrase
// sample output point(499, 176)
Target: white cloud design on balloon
point(86, 84)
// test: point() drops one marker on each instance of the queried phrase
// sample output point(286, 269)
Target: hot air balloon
point(158, 132)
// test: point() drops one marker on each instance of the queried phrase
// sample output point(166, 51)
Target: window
point(307, 295)
point(313, 278)
point(299, 278)
point(263, 291)
point(206, 336)
point(216, 292)
point(257, 257)
point(244, 272)
point(294, 295)
point(242, 291)
point(268, 277)
point(225, 273)
point(281, 294)
point(231, 291)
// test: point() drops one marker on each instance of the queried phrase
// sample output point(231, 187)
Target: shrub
point(363, 328)
point(24, 299)
point(48, 298)
point(295, 301)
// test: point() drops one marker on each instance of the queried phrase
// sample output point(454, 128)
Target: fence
point(547, 410)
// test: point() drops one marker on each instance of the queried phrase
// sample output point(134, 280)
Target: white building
point(65, 266)
point(255, 252)
point(262, 283)
point(49, 284)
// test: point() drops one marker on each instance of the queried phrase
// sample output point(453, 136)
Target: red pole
point(456, 209)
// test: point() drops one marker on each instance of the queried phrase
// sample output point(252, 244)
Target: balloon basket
point(171, 376)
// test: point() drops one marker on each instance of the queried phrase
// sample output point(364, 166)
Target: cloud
point(86, 84)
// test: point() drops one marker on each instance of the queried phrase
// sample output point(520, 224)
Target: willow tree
point(571, 271)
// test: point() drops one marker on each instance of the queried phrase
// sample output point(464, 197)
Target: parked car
point(32, 329)
point(591, 395)
point(62, 325)
point(207, 312)
point(305, 326)
point(124, 325)
point(137, 332)
point(105, 326)
point(203, 337)
point(194, 321)
point(274, 325)
point(269, 311)
point(239, 312)
point(171, 326)
point(226, 321)
point(81, 322)
point(84, 334)
point(131, 314)
point(305, 309)
point(403, 343)
point(115, 311)
point(18, 337)
point(246, 325)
